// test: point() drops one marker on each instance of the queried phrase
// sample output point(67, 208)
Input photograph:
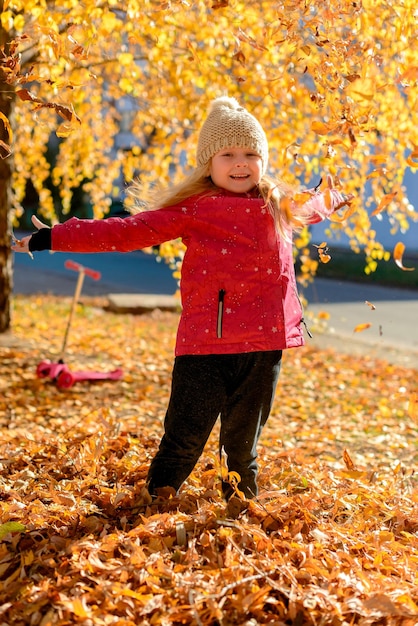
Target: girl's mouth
point(239, 176)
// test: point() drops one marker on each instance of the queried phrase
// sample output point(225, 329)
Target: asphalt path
point(336, 309)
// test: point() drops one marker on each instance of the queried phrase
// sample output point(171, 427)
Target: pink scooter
point(58, 370)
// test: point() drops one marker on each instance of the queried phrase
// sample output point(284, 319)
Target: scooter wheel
point(65, 380)
point(43, 369)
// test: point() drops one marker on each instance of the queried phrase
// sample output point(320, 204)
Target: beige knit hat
point(229, 125)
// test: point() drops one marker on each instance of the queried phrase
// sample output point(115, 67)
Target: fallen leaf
point(348, 460)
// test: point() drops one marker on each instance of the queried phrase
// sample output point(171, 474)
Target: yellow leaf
point(11, 527)
point(77, 606)
point(362, 91)
point(125, 58)
point(320, 128)
point(19, 22)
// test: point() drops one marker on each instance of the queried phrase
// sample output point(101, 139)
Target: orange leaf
point(328, 198)
point(413, 406)
point(398, 251)
point(324, 258)
point(412, 159)
point(341, 218)
point(320, 128)
point(360, 327)
point(348, 460)
point(387, 199)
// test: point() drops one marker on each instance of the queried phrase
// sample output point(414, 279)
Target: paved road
point(120, 273)
point(393, 331)
point(391, 313)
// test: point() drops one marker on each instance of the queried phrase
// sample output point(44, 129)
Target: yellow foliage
point(334, 84)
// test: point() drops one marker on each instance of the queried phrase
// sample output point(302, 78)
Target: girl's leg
point(250, 394)
point(197, 397)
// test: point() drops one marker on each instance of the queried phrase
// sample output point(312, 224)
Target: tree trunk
point(7, 100)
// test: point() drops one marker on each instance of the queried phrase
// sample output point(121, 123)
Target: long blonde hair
point(278, 197)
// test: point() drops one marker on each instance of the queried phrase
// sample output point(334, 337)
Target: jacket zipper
point(302, 320)
point(221, 297)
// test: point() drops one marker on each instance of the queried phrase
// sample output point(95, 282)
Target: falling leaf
point(362, 91)
point(398, 252)
point(385, 201)
point(360, 327)
point(412, 159)
point(324, 257)
point(342, 218)
point(323, 315)
point(370, 305)
point(320, 128)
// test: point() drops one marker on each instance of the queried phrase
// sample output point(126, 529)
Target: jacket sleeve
point(120, 234)
point(323, 204)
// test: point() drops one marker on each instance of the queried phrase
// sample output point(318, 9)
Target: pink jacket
point(238, 286)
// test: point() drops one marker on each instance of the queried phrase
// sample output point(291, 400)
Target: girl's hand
point(343, 199)
point(23, 244)
point(339, 199)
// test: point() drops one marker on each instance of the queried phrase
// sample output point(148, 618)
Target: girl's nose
point(241, 161)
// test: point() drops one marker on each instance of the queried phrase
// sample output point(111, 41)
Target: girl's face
point(236, 169)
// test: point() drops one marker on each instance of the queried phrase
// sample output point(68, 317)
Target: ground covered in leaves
point(331, 539)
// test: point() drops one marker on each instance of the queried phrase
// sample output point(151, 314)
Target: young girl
point(240, 306)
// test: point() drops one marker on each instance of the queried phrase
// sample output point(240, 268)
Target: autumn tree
point(120, 87)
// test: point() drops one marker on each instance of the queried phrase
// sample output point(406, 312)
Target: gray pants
point(237, 387)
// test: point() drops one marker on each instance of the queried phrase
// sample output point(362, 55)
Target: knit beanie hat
point(229, 125)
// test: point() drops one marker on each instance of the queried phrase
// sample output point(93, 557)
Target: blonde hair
point(277, 195)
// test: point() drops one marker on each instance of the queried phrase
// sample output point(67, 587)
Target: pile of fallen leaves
point(331, 539)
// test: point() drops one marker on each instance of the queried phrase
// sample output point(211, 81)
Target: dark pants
point(238, 387)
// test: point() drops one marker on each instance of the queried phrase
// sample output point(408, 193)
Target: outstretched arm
point(326, 201)
point(27, 243)
point(113, 234)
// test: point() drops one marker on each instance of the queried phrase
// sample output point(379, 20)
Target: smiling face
point(236, 169)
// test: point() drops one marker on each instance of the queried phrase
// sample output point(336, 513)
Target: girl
point(240, 306)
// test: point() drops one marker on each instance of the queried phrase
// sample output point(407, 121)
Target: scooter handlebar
point(72, 265)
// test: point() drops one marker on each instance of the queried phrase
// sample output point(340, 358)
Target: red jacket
point(238, 286)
